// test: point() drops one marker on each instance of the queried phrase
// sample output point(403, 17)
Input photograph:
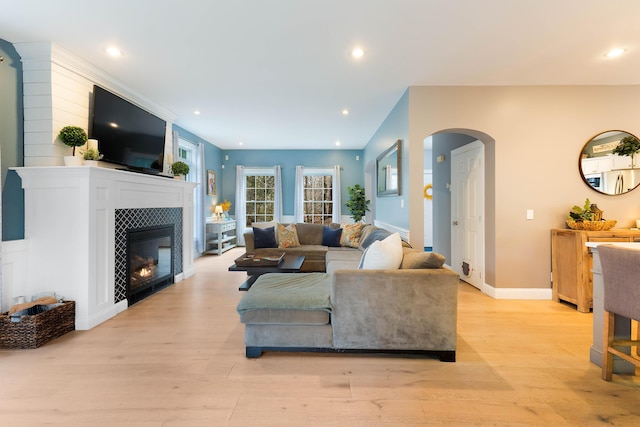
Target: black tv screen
point(127, 134)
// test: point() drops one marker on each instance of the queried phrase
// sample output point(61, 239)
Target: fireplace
point(150, 254)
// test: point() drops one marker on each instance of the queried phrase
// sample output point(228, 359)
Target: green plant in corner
point(179, 168)
point(357, 204)
point(73, 136)
point(581, 214)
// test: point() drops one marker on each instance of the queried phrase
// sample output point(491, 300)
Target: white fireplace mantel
point(69, 231)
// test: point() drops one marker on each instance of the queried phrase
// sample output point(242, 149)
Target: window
point(260, 198)
point(317, 195)
point(318, 199)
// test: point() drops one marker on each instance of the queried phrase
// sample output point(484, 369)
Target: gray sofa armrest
point(248, 240)
point(395, 309)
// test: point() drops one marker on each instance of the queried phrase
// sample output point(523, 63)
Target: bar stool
point(621, 278)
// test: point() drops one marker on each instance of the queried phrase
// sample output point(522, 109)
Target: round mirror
point(610, 162)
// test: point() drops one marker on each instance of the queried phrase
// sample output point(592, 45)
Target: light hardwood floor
point(177, 359)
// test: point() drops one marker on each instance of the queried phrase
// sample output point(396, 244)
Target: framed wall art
point(211, 183)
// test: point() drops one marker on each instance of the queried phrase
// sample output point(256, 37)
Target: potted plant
point(91, 156)
point(179, 169)
point(628, 146)
point(72, 136)
point(357, 204)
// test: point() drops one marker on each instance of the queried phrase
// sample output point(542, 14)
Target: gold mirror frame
point(605, 172)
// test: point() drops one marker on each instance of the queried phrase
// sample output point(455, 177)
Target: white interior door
point(467, 213)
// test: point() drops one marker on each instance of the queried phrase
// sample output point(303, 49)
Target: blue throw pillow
point(331, 236)
point(264, 238)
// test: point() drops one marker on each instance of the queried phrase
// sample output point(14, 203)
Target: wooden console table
point(572, 262)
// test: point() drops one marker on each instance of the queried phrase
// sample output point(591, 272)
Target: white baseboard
point(103, 316)
point(518, 293)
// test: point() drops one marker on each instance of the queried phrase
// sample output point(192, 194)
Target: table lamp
point(218, 211)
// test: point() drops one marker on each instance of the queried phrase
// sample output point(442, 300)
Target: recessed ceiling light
point(240, 143)
point(196, 112)
point(114, 51)
point(345, 112)
point(357, 53)
point(614, 53)
point(338, 143)
point(113, 124)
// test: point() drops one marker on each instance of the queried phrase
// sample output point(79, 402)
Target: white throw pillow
point(383, 254)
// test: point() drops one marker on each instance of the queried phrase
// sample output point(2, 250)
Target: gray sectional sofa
point(341, 308)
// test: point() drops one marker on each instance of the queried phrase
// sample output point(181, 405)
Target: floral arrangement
point(226, 205)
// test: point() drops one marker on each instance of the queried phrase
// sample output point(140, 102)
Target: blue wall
point(212, 161)
point(396, 126)
point(351, 169)
point(11, 142)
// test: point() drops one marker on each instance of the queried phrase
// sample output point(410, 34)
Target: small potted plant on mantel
point(72, 136)
point(91, 156)
point(179, 169)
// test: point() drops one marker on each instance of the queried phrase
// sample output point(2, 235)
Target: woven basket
point(34, 331)
point(592, 225)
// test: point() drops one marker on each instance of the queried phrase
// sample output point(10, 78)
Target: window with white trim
point(318, 197)
point(260, 198)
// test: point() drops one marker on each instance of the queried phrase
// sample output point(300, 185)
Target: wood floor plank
point(177, 359)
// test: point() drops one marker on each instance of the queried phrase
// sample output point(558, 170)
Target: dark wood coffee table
point(288, 264)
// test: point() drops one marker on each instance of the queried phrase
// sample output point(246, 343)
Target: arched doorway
point(443, 143)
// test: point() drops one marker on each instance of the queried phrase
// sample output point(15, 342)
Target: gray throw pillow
point(375, 234)
point(416, 259)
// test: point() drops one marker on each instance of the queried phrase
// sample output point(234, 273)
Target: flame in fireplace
point(144, 272)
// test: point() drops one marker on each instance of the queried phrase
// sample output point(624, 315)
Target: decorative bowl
point(603, 225)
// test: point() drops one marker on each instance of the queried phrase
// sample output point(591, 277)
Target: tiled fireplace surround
point(132, 219)
point(74, 221)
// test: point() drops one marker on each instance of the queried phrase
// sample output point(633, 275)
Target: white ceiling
point(277, 74)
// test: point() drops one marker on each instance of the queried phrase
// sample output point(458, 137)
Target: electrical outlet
point(529, 213)
point(402, 203)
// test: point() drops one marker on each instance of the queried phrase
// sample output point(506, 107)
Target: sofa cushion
point(310, 252)
point(331, 236)
point(351, 235)
point(287, 236)
point(285, 291)
point(383, 254)
point(417, 259)
point(309, 234)
point(342, 259)
point(264, 238)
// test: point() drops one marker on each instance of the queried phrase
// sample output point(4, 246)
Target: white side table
point(220, 236)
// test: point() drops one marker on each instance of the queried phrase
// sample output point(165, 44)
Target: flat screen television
point(127, 134)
